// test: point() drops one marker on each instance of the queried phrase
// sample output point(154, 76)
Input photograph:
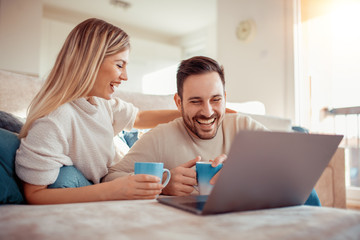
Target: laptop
point(264, 170)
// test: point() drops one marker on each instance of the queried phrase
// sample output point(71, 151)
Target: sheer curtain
point(328, 72)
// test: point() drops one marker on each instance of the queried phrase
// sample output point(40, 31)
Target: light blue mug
point(152, 168)
point(204, 173)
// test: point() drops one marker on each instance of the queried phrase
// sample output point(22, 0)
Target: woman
point(73, 119)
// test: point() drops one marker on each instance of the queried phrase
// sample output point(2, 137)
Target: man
point(204, 133)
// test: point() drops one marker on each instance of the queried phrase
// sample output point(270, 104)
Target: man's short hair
point(194, 66)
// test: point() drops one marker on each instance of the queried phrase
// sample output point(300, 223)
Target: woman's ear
point(177, 100)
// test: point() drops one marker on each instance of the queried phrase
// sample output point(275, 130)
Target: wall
point(31, 36)
point(53, 36)
point(146, 55)
point(200, 42)
point(20, 31)
point(262, 68)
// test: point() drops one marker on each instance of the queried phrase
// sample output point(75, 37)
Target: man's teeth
point(204, 121)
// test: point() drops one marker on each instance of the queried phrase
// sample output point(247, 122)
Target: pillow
point(125, 140)
point(131, 137)
point(10, 122)
point(300, 129)
point(10, 187)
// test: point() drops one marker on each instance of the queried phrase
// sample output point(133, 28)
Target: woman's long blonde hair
point(76, 67)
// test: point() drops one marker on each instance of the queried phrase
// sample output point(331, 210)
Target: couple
point(66, 152)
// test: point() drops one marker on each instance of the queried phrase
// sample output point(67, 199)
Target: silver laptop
point(264, 170)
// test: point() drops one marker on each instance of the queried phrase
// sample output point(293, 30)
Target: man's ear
point(177, 100)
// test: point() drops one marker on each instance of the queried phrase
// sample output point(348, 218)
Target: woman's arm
point(130, 187)
point(229, 110)
point(151, 118)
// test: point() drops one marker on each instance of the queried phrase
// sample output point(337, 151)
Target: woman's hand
point(141, 186)
point(123, 188)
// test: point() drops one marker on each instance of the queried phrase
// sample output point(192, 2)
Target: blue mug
point(204, 173)
point(152, 168)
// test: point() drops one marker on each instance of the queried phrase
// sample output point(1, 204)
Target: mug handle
point(167, 178)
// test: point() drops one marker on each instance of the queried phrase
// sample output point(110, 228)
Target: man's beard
point(191, 125)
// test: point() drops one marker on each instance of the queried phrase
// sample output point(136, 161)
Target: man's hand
point(183, 179)
point(220, 159)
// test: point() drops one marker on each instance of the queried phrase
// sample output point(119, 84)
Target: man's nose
point(207, 109)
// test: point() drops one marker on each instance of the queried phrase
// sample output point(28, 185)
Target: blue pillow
point(10, 187)
point(313, 199)
point(129, 137)
point(299, 129)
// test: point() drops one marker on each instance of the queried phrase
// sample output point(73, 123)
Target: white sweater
point(77, 133)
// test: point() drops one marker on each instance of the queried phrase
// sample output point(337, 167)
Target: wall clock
point(245, 30)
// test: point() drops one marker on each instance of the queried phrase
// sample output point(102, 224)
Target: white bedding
point(147, 219)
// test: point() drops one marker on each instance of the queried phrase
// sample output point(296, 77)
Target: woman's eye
point(119, 66)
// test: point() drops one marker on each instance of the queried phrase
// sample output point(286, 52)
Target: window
point(328, 53)
point(160, 82)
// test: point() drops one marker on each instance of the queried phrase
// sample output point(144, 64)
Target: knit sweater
point(77, 133)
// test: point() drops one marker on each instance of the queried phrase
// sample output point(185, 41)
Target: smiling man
point(204, 133)
point(202, 104)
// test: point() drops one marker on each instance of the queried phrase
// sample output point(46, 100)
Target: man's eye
point(217, 99)
point(195, 102)
point(119, 66)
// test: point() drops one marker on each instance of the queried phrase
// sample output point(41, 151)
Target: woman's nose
point(123, 75)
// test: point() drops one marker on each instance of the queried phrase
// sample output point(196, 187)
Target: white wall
point(200, 42)
point(20, 33)
point(31, 36)
point(146, 55)
point(53, 37)
point(261, 69)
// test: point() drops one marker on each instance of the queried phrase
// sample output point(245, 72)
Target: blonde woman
point(67, 140)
